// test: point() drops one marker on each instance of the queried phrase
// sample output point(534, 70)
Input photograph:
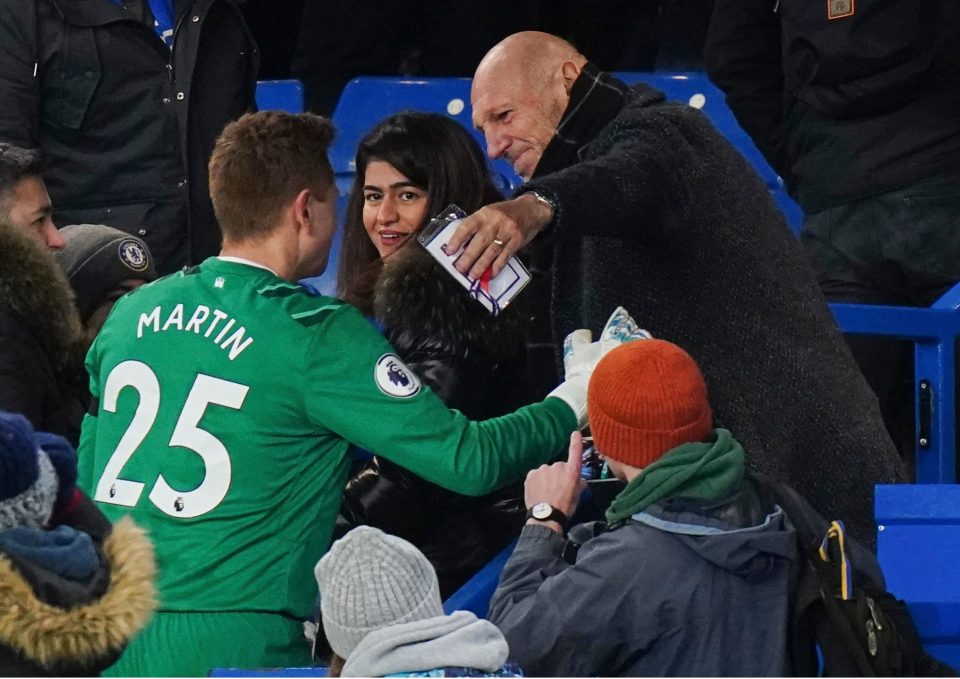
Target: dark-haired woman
point(409, 168)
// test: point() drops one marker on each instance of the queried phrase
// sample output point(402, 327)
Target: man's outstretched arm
point(633, 191)
point(409, 425)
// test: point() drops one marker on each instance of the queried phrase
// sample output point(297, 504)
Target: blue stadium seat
point(695, 89)
point(475, 594)
point(280, 95)
point(918, 545)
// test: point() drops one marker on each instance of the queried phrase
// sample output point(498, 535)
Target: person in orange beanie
point(691, 572)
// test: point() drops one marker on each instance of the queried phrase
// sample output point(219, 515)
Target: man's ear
point(301, 208)
point(570, 72)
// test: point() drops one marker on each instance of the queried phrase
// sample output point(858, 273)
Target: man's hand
point(558, 484)
point(498, 230)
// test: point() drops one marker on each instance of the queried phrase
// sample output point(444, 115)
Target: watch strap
point(555, 515)
point(552, 204)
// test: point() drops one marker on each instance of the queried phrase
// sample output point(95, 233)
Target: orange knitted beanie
point(646, 397)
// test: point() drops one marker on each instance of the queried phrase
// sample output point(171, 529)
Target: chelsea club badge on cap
point(394, 378)
point(132, 254)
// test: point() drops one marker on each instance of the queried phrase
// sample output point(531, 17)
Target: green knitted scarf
point(710, 471)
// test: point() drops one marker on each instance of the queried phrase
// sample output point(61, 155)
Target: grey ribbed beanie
point(96, 258)
point(369, 580)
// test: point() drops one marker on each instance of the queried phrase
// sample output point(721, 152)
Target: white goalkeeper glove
point(581, 355)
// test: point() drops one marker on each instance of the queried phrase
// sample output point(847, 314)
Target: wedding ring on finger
point(497, 241)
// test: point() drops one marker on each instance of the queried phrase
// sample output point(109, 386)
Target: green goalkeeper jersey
point(226, 402)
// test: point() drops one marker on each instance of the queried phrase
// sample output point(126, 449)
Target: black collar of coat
point(595, 99)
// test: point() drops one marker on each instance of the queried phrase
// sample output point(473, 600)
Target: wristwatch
point(546, 201)
point(544, 511)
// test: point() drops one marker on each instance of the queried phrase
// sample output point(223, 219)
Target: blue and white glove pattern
point(620, 329)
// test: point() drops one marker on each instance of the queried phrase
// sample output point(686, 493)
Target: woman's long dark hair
point(434, 152)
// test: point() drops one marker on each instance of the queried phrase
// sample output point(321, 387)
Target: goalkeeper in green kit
point(227, 398)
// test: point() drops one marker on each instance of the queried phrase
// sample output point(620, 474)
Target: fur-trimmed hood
point(89, 637)
point(34, 290)
point(416, 299)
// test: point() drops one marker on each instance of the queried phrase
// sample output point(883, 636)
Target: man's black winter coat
point(126, 125)
point(660, 214)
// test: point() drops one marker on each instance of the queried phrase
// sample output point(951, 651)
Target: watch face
point(541, 511)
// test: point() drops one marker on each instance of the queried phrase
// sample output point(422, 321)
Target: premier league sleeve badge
point(394, 378)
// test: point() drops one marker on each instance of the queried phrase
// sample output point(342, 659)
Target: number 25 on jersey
point(216, 460)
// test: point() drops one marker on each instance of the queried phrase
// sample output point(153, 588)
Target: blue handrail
point(934, 331)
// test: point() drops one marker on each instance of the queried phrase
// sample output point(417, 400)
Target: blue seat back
point(918, 545)
point(280, 95)
point(696, 90)
point(475, 594)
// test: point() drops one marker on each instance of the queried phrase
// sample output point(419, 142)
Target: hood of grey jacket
point(456, 640)
point(747, 546)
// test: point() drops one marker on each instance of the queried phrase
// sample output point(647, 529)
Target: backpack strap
point(833, 550)
point(833, 568)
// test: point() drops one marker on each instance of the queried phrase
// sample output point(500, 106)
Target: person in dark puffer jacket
point(41, 338)
point(409, 168)
point(73, 588)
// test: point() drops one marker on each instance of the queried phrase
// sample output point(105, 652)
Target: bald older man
point(641, 202)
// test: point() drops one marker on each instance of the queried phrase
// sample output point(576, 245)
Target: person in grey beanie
point(382, 615)
point(102, 264)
